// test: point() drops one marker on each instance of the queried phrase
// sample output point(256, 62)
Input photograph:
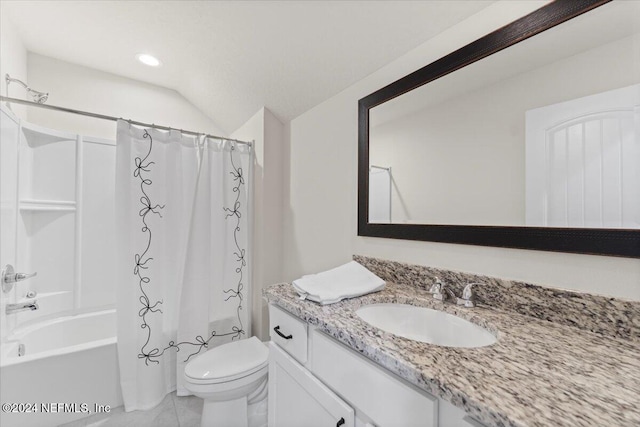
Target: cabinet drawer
point(386, 399)
point(288, 332)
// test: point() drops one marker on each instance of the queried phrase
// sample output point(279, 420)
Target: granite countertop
point(539, 373)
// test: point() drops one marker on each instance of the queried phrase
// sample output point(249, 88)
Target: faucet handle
point(9, 277)
point(23, 276)
point(436, 288)
point(468, 296)
point(468, 292)
point(441, 291)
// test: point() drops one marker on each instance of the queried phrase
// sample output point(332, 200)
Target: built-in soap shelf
point(36, 136)
point(29, 205)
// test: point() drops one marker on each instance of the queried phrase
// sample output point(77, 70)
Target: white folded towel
point(347, 281)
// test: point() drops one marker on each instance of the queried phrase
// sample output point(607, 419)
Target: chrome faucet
point(443, 292)
point(15, 308)
point(468, 296)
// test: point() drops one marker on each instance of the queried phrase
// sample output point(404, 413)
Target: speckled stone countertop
point(539, 373)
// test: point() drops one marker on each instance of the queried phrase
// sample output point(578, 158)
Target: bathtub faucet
point(15, 308)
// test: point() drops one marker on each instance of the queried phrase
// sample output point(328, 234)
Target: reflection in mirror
point(545, 133)
point(380, 194)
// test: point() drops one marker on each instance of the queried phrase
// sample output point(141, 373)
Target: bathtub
point(68, 370)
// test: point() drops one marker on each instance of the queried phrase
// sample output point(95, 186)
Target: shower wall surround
point(605, 315)
point(61, 224)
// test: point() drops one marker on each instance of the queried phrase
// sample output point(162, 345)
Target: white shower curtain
point(182, 267)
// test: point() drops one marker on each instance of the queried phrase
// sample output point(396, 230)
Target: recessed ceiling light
point(147, 59)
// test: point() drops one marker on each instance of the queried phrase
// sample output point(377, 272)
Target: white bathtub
point(71, 360)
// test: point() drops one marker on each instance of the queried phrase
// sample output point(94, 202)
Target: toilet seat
point(230, 378)
point(229, 362)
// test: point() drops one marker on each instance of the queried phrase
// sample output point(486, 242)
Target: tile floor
point(174, 411)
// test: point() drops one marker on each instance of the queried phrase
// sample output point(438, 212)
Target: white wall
point(13, 60)
point(87, 89)
point(321, 195)
point(268, 134)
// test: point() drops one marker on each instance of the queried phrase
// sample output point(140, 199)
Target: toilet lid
point(229, 361)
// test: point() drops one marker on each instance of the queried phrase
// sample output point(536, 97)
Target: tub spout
point(16, 308)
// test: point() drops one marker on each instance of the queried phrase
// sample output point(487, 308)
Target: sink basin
point(426, 325)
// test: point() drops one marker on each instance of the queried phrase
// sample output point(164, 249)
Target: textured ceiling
point(230, 58)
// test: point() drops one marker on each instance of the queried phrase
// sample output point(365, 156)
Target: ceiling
point(230, 58)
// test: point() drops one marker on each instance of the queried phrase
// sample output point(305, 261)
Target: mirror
point(535, 146)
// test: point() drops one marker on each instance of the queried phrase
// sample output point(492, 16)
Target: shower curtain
point(183, 261)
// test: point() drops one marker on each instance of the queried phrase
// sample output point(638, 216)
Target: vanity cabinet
point(316, 381)
point(296, 397)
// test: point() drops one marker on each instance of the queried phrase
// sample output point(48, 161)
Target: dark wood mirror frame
point(615, 242)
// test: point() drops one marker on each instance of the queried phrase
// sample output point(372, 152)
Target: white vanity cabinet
point(316, 381)
point(296, 397)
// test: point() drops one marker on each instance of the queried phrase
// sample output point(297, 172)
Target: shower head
point(37, 96)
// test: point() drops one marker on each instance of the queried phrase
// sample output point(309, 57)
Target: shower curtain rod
point(113, 119)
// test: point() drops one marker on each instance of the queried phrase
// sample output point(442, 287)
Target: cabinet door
point(386, 400)
point(297, 398)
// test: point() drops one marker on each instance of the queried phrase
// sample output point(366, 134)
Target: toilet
point(232, 380)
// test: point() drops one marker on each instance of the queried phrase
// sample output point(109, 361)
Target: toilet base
point(245, 411)
point(230, 413)
point(238, 399)
point(234, 413)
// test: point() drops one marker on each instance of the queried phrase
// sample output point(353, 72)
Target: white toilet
point(232, 380)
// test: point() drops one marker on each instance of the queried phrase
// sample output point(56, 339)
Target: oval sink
point(426, 325)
